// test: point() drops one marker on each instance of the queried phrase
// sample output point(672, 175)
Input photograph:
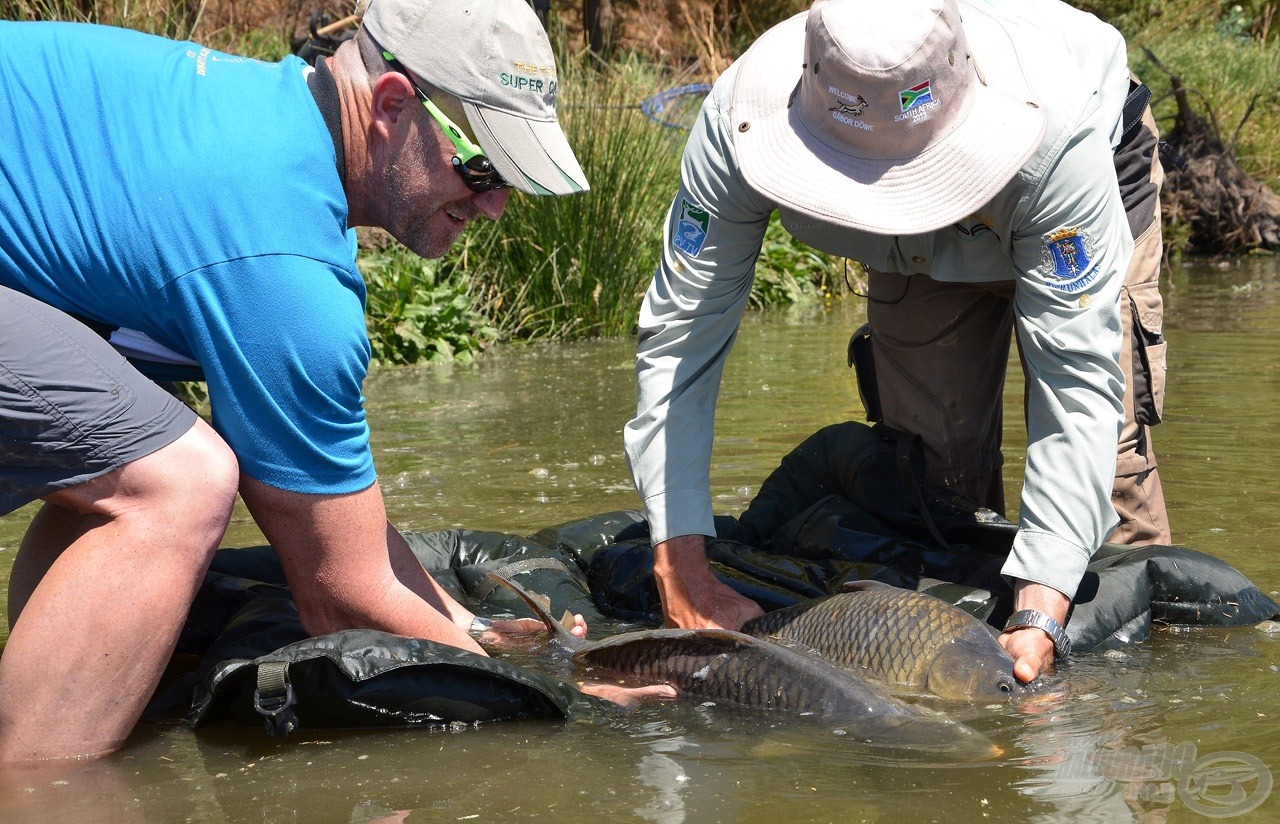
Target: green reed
point(577, 266)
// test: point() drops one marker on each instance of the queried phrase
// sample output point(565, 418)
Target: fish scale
point(734, 669)
point(905, 640)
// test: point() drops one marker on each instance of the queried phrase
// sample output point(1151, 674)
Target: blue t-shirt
point(193, 195)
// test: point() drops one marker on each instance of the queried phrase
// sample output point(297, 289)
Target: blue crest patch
point(1067, 259)
point(691, 228)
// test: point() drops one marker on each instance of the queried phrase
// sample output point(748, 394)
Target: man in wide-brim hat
point(993, 166)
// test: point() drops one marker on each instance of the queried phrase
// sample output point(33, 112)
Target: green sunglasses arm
point(461, 143)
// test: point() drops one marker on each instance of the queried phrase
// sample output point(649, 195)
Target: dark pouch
point(864, 366)
point(1148, 354)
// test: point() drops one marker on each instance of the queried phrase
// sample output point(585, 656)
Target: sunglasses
point(469, 161)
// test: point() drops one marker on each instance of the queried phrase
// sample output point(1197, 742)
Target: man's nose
point(493, 202)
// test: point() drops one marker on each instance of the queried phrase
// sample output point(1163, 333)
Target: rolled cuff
point(1044, 558)
point(679, 512)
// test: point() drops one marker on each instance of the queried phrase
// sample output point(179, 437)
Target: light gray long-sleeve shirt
point(1068, 326)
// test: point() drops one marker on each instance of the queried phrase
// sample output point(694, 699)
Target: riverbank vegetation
point(561, 268)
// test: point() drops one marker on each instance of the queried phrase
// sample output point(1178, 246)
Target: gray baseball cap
point(495, 57)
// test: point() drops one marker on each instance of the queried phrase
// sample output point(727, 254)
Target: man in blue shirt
point(201, 205)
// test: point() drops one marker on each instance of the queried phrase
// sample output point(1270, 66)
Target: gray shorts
point(71, 407)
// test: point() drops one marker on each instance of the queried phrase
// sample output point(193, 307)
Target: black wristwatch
point(1035, 618)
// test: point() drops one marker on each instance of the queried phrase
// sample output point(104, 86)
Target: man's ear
point(392, 99)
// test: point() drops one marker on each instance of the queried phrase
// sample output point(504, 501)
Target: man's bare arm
point(692, 596)
point(348, 567)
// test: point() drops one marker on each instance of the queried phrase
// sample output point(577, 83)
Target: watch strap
point(1034, 618)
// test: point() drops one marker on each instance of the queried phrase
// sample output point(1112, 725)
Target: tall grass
point(256, 28)
point(577, 266)
point(1233, 81)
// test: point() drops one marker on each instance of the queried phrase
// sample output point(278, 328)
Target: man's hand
point(522, 633)
point(628, 697)
point(692, 596)
point(1031, 648)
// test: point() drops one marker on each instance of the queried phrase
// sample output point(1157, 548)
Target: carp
point(906, 641)
point(731, 668)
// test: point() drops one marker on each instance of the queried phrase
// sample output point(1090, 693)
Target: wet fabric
point(841, 507)
point(846, 504)
point(365, 678)
point(244, 620)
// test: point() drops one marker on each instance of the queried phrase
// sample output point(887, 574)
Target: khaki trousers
point(941, 350)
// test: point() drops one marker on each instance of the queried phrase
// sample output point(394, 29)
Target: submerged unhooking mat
point(844, 505)
point(258, 666)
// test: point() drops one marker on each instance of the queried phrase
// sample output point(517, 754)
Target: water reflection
point(526, 439)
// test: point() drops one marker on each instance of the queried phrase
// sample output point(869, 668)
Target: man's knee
point(200, 476)
point(191, 482)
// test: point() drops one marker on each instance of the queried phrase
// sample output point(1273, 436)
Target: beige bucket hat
point(888, 116)
point(495, 57)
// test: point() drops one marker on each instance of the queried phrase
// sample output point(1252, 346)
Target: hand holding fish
point(521, 632)
point(628, 697)
point(692, 596)
point(1032, 649)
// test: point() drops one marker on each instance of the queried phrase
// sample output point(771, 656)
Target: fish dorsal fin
point(717, 638)
point(865, 586)
point(725, 636)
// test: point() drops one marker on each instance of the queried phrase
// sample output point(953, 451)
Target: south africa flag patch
point(916, 96)
point(1067, 259)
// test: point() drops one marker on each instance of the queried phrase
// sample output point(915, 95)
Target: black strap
point(273, 699)
point(102, 330)
point(325, 90)
point(1169, 156)
point(912, 486)
point(1134, 105)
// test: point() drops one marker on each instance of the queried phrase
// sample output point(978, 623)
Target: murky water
point(1167, 730)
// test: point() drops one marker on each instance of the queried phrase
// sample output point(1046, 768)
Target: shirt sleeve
point(283, 345)
point(688, 323)
point(1073, 252)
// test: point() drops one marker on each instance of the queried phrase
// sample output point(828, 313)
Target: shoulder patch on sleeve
point(1067, 260)
point(691, 228)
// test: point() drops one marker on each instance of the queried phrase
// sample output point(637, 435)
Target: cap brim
point(532, 155)
point(780, 157)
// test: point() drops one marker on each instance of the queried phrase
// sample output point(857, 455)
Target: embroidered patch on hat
point(691, 228)
point(1067, 259)
point(850, 107)
point(917, 95)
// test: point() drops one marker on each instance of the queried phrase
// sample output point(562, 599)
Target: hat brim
point(781, 158)
point(532, 155)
